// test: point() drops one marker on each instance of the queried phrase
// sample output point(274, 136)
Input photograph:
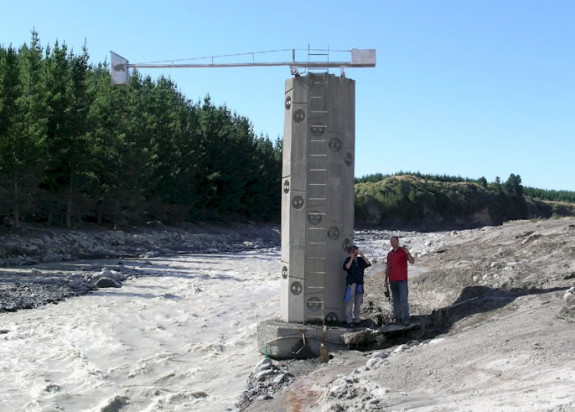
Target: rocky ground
point(498, 302)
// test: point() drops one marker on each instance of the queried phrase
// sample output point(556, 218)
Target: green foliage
point(74, 148)
point(435, 178)
point(23, 126)
point(426, 201)
point(552, 195)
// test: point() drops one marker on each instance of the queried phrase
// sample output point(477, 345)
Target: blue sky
point(468, 88)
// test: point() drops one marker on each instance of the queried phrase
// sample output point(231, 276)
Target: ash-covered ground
point(501, 302)
point(501, 305)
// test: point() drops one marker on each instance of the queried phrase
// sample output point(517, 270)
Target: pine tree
point(24, 125)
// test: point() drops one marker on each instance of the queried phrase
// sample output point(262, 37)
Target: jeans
point(399, 293)
point(354, 302)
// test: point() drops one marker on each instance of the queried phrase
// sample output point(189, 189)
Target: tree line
point(74, 148)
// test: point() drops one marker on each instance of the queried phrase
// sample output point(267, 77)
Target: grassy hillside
point(430, 203)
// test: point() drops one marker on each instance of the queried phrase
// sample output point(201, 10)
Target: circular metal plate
point(297, 202)
point(296, 288)
point(299, 116)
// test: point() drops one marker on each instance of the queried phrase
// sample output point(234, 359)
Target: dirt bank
point(503, 302)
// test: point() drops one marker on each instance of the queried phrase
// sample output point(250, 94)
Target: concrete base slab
point(283, 340)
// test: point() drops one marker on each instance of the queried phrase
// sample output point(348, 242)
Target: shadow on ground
point(473, 300)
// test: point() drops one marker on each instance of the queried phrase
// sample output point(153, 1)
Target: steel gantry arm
point(359, 58)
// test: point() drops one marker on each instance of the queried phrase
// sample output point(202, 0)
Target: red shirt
point(397, 263)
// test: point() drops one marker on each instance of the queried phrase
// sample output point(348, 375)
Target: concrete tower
point(317, 196)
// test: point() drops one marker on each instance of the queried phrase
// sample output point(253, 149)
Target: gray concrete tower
point(317, 196)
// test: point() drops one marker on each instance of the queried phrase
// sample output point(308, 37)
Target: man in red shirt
point(396, 278)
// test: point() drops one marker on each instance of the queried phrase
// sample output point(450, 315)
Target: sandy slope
point(503, 297)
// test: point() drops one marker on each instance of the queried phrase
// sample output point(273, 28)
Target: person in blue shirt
point(354, 265)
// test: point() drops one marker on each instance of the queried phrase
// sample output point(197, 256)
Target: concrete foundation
point(281, 340)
